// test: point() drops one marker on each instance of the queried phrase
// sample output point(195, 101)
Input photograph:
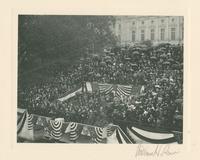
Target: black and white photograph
point(100, 79)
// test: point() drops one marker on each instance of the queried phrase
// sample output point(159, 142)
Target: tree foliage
point(45, 38)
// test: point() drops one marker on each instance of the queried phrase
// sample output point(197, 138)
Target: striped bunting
point(99, 134)
point(112, 139)
point(119, 90)
point(30, 123)
point(111, 133)
point(135, 138)
point(125, 89)
point(73, 133)
point(25, 127)
point(110, 130)
point(105, 88)
point(123, 92)
point(56, 129)
point(142, 136)
point(153, 135)
point(20, 122)
point(117, 136)
point(89, 86)
point(118, 94)
point(121, 137)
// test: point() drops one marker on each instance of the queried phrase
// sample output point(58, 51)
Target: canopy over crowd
point(158, 69)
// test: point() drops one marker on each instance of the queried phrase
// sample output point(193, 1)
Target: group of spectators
point(159, 70)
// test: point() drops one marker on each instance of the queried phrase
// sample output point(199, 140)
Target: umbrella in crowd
point(112, 54)
point(108, 60)
point(164, 79)
point(107, 57)
point(126, 71)
point(163, 55)
point(90, 73)
point(153, 58)
point(166, 63)
point(170, 60)
point(102, 63)
point(98, 75)
point(134, 65)
point(127, 58)
point(81, 59)
point(95, 56)
point(136, 52)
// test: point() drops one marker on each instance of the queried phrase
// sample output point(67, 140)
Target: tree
point(44, 39)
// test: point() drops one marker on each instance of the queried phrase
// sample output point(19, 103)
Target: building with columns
point(158, 29)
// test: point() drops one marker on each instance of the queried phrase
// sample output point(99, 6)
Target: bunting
point(25, 127)
point(110, 130)
point(118, 90)
point(30, 123)
point(75, 131)
point(112, 139)
point(56, 129)
point(20, 122)
point(143, 136)
point(81, 133)
point(99, 134)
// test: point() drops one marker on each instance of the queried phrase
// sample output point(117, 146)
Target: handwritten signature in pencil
point(157, 151)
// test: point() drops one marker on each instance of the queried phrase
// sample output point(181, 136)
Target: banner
point(142, 136)
point(33, 127)
point(118, 90)
point(25, 127)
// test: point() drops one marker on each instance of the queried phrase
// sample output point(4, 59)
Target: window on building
point(162, 20)
point(152, 34)
point(162, 34)
point(133, 36)
point(142, 35)
point(173, 33)
point(172, 19)
point(152, 22)
point(133, 23)
point(142, 22)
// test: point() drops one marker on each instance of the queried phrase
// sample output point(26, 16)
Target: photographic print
point(100, 79)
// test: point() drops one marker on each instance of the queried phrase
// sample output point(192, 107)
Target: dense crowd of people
point(158, 69)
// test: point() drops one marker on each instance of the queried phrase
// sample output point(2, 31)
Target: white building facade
point(158, 29)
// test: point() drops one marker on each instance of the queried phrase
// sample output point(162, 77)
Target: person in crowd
point(158, 69)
